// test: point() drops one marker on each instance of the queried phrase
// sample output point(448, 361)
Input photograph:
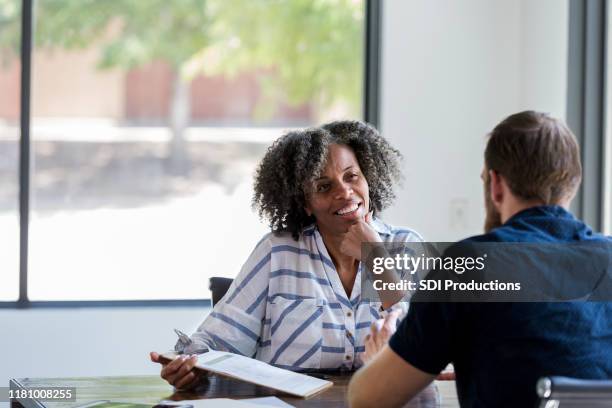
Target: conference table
point(152, 389)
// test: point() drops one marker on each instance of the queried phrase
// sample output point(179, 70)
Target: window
point(148, 120)
point(10, 17)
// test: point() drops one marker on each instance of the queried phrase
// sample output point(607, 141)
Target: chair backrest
point(218, 287)
point(565, 392)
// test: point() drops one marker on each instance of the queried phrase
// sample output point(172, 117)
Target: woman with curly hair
point(297, 303)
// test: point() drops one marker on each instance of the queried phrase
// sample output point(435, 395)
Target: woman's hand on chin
point(359, 232)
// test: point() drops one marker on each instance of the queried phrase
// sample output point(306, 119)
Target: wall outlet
point(458, 214)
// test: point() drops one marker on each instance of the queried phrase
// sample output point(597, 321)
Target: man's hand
point(448, 374)
point(380, 333)
point(359, 232)
point(179, 372)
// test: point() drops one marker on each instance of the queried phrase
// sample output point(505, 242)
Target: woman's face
point(340, 196)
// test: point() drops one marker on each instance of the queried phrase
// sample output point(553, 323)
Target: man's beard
point(492, 217)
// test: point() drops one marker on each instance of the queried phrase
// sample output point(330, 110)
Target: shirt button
point(349, 314)
point(348, 357)
point(349, 334)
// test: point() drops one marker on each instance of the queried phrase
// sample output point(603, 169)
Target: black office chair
point(218, 287)
point(565, 392)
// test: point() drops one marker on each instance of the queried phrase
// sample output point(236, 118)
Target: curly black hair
point(296, 159)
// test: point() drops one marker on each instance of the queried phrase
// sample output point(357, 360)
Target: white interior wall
point(543, 47)
point(451, 70)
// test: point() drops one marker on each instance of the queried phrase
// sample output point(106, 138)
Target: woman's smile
point(352, 210)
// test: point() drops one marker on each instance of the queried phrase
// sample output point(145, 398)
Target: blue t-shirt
point(500, 350)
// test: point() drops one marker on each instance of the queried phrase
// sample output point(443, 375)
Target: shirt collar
point(542, 210)
point(380, 227)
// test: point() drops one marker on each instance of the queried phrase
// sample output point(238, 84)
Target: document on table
point(258, 372)
point(231, 403)
point(268, 402)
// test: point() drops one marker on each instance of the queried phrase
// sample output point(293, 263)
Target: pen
point(185, 345)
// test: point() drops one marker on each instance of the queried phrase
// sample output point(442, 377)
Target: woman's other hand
point(359, 232)
point(179, 372)
point(380, 333)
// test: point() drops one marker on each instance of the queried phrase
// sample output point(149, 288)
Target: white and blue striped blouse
point(287, 306)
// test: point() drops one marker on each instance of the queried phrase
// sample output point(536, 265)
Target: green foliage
point(10, 29)
point(131, 32)
point(311, 50)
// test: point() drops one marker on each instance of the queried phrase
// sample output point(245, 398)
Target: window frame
point(607, 142)
point(586, 104)
point(370, 101)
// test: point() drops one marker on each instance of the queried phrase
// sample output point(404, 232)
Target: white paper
point(269, 402)
point(215, 402)
point(260, 373)
point(257, 372)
